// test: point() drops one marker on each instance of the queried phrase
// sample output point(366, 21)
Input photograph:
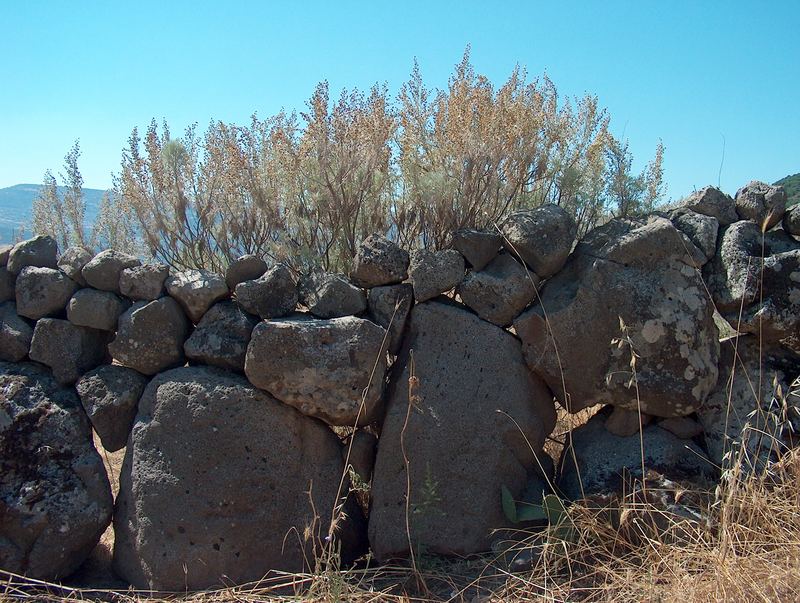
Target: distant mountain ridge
point(16, 203)
point(792, 186)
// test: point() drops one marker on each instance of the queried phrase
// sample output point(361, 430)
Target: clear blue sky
point(688, 73)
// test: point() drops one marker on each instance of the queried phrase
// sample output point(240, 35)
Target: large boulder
point(103, 270)
point(745, 414)
point(72, 262)
point(378, 262)
point(434, 272)
point(272, 295)
point(42, 292)
point(54, 492)
point(328, 295)
point(389, 307)
point(245, 268)
point(710, 201)
point(632, 297)
point(144, 282)
point(96, 309)
point(762, 203)
point(40, 252)
point(454, 374)
point(321, 367)
point(68, 349)
point(225, 488)
point(196, 291)
point(221, 336)
point(500, 291)
point(109, 395)
point(15, 334)
point(541, 237)
point(477, 246)
point(150, 336)
point(599, 462)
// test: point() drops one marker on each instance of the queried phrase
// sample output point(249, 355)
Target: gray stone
point(541, 237)
point(69, 350)
point(72, 262)
point(54, 490)
point(684, 428)
point(741, 418)
point(378, 262)
point(477, 246)
point(185, 521)
point(40, 251)
point(270, 296)
point(103, 270)
point(321, 367)
point(629, 288)
point(144, 282)
point(329, 295)
point(732, 276)
point(622, 422)
point(606, 462)
point(221, 336)
point(762, 203)
point(710, 201)
point(500, 291)
point(791, 220)
point(7, 285)
point(774, 314)
point(5, 250)
point(434, 272)
point(196, 291)
point(109, 395)
point(245, 268)
point(359, 453)
point(389, 307)
point(15, 334)
point(702, 230)
point(461, 450)
point(43, 292)
point(95, 309)
point(150, 336)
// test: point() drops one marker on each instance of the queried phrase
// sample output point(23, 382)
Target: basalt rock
point(221, 336)
point(42, 292)
point(96, 309)
point(150, 336)
point(329, 295)
point(54, 492)
point(630, 291)
point(321, 367)
point(541, 237)
point(68, 349)
point(72, 262)
point(245, 268)
point(389, 307)
point(761, 203)
point(196, 291)
point(185, 520)
point(103, 270)
point(444, 405)
point(272, 295)
point(15, 334)
point(378, 262)
point(144, 282)
point(435, 272)
point(40, 252)
point(109, 395)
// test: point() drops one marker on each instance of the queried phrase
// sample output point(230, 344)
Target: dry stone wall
point(242, 399)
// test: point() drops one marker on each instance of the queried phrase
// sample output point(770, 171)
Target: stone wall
point(240, 399)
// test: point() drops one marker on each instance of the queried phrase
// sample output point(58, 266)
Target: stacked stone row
point(506, 320)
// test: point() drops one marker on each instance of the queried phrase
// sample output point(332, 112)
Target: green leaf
point(509, 505)
point(530, 512)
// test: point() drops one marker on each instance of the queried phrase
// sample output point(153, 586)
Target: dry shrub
point(308, 188)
